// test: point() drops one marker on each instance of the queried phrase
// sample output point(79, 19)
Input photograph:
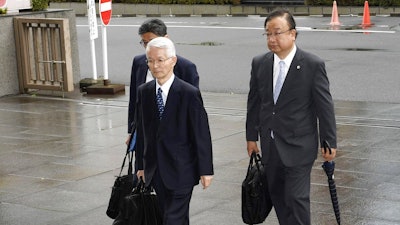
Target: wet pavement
point(59, 156)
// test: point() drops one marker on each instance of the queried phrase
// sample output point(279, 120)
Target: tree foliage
point(38, 5)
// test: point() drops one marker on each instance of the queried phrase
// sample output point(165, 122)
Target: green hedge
point(381, 3)
point(38, 5)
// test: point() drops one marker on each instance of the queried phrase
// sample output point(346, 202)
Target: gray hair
point(163, 43)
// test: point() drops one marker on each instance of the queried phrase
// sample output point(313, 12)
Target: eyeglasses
point(275, 35)
point(144, 43)
point(157, 61)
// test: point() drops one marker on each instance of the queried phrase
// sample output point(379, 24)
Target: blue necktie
point(160, 103)
point(279, 81)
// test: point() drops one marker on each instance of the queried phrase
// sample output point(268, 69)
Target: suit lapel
point(142, 70)
point(267, 76)
point(172, 104)
point(173, 99)
point(150, 102)
point(292, 73)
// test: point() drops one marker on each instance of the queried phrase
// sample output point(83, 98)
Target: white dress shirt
point(288, 60)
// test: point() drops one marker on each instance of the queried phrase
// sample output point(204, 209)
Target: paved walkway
point(59, 156)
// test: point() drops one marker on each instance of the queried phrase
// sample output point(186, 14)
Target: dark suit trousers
point(289, 188)
point(174, 204)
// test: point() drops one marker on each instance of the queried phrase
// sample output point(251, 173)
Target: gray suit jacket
point(304, 107)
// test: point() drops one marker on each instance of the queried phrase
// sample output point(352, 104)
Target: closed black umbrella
point(329, 168)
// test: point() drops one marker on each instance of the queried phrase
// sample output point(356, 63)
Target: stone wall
point(8, 60)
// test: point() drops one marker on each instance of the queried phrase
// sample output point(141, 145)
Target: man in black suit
point(290, 109)
point(174, 148)
point(140, 72)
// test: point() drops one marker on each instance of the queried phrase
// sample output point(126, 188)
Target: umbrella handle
point(326, 146)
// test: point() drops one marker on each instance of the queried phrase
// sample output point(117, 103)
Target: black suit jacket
point(304, 106)
point(183, 69)
point(179, 145)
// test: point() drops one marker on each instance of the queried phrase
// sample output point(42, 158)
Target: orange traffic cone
point(366, 19)
point(335, 16)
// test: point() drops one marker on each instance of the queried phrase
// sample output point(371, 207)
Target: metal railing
point(43, 54)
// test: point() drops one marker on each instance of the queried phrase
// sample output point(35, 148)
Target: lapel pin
point(298, 67)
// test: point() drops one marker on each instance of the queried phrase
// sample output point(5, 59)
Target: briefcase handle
point(128, 154)
point(254, 158)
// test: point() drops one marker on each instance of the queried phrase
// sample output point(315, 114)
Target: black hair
point(282, 13)
point(154, 26)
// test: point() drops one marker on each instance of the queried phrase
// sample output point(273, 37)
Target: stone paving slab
point(59, 157)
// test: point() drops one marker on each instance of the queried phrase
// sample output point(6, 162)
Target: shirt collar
point(288, 60)
point(166, 86)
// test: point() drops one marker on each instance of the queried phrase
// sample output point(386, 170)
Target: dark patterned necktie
point(160, 103)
